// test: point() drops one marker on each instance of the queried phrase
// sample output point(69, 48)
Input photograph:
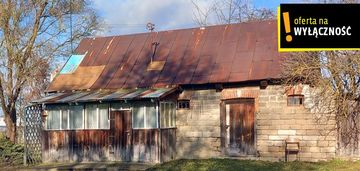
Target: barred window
point(183, 104)
point(295, 100)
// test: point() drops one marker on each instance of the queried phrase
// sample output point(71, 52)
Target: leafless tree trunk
point(32, 33)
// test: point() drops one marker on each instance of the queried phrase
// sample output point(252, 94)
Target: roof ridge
point(180, 29)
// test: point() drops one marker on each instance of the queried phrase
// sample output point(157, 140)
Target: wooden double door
point(240, 127)
point(120, 135)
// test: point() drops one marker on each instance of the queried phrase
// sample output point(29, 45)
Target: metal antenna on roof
point(151, 27)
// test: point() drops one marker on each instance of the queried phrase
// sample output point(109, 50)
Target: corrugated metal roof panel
point(176, 54)
point(134, 94)
point(72, 97)
point(94, 96)
point(99, 45)
point(193, 56)
point(83, 46)
point(121, 76)
point(188, 65)
point(116, 95)
point(157, 93)
point(50, 97)
point(122, 44)
point(105, 95)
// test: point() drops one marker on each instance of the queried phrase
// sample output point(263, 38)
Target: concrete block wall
point(276, 121)
point(198, 128)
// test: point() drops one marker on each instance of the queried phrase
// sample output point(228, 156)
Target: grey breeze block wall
point(275, 121)
point(198, 129)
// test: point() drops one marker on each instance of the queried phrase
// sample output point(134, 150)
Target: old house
point(189, 93)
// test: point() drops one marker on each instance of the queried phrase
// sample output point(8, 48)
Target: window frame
point(299, 96)
point(86, 126)
point(108, 116)
point(97, 117)
point(143, 108)
point(62, 108)
point(182, 101)
point(174, 110)
point(47, 120)
point(83, 118)
point(67, 120)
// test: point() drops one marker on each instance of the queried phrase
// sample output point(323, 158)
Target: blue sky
point(131, 16)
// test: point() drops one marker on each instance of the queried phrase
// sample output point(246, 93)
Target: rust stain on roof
point(214, 54)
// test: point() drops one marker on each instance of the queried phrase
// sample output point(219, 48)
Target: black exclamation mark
point(287, 25)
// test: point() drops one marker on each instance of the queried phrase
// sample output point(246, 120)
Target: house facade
point(191, 93)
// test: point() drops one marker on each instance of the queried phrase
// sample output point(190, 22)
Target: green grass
point(233, 164)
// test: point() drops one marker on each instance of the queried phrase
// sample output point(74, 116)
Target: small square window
point(183, 104)
point(295, 100)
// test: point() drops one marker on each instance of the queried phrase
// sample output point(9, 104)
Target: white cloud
point(131, 16)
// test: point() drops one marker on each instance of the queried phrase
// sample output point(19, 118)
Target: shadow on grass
point(233, 164)
point(89, 166)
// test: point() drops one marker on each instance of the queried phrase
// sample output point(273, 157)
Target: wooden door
point(240, 127)
point(120, 135)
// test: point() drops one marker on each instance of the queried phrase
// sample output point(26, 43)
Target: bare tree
point(230, 11)
point(201, 14)
point(335, 78)
point(32, 33)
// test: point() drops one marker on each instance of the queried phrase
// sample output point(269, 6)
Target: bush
point(10, 153)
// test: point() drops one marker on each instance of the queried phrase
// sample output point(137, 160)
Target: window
point(104, 116)
point(72, 64)
point(138, 117)
point(144, 115)
point(76, 117)
point(295, 100)
point(91, 116)
point(183, 104)
point(167, 114)
point(96, 116)
point(64, 118)
point(53, 118)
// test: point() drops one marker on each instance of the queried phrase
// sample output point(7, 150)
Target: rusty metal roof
point(105, 95)
point(214, 54)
